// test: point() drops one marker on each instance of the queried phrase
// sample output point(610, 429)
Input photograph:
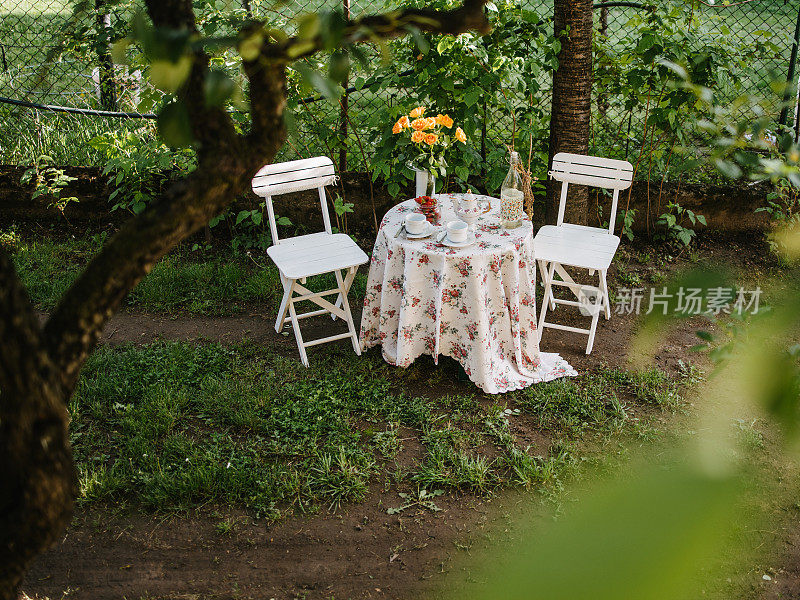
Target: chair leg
point(545, 278)
point(550, 274)
point(346, 307)
point(604, 290)
point(338, 302)
point(288, 286)
point(590, 343)
point(545, 302)
point(297, 335)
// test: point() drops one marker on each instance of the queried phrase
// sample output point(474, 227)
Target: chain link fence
point(59, 88)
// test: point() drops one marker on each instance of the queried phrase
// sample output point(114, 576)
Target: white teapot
point(468, 209)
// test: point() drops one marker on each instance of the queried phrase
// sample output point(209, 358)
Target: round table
point(476, 304)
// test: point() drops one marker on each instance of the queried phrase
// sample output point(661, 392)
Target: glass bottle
point(512, 197)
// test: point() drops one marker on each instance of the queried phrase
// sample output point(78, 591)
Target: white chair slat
point(594, 161)
point(602, 181)
point(275, 184)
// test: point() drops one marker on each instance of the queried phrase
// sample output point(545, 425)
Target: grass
point(172, 426)
point(221, 284)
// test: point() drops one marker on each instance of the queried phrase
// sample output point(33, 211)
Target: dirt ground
point(358, 552)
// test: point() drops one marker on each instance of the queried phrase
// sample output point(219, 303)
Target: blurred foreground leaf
point(644, 538)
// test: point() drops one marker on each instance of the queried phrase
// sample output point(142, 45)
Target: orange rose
point(417, 112)
point(431, 139)
point(397, 128)
point(444, 121)
point(419, 124)
point(403, 122)
point(417, 137)
point(430, 123)
point(460, 135)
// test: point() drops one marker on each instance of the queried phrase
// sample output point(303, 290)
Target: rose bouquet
point(430, 137)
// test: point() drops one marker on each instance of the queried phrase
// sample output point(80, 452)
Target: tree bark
point(39, 366)
point(572, 96)
point(37, 475)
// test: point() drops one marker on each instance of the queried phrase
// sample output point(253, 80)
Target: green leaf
point(339, 66)
point(250, 47)
point(445, 44)
point(168, 76)
point(327, 87)
point(420, 40)
point(728, 168)
point(472, 96)
point(119, 50)
point(308, 26)
point(174, 126)
point(705, 336)
point(217, 88)
point(243, 214)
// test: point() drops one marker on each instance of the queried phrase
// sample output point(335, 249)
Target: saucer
point(418, 236)
point(446, 241)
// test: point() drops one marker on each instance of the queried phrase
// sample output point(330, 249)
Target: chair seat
point(316, 253)
point(576, 246)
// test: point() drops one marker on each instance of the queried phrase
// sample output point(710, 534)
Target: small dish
point(425, 233)
point(445, 241)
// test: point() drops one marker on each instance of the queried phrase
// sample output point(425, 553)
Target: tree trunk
point(37, 474)
point(572, 97)
point(106, 83)
point(602, 97)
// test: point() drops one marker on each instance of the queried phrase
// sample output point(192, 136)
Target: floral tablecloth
point(475, 304)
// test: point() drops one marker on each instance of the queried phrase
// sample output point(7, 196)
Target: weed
point(387, 443)
point(629, 278)
point(690, 373)
point(421, 497)
point(748, 435)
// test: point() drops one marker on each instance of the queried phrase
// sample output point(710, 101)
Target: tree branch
point(467, 17)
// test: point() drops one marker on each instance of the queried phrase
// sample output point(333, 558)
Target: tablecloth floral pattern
point(475, 304)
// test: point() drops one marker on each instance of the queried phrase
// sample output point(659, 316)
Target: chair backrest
point(295, 176)
point(595, 171)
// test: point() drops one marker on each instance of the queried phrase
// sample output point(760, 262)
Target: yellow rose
point(431, 138)
point(417, 137)
point(417, 112)
point(403, 122)
point(419, 124)
point(430, 123)
point(460, 135)
point(397, 128)
point(444, 121)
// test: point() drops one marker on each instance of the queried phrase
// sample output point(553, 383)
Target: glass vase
point(425, 183)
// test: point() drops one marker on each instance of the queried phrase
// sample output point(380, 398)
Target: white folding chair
point(307, 255)
point(566, 244)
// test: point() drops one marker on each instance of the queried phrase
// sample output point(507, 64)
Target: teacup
point(457, 231)
point(415, 223)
